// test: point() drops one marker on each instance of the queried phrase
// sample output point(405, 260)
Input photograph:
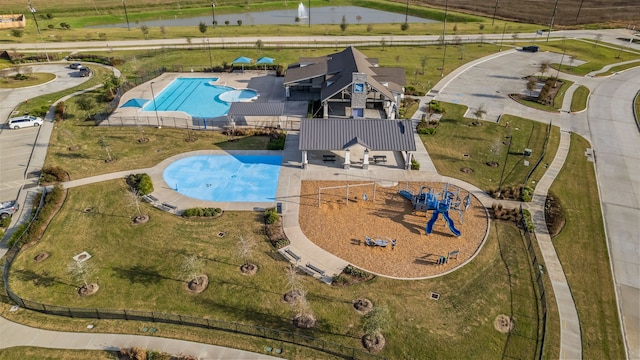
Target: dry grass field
point(540, 11)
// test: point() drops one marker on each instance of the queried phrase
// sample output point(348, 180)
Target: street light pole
point(444, 30)
point(213, 13)
point(309, 11)
point(33, 12)
point(495, 11)
point(553, 17)
point(154, 106)
point(126, 15)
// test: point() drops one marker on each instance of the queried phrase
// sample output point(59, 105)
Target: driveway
point(16, 146)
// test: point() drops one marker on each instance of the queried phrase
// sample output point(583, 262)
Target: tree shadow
point(141, 274)
point(45, 279)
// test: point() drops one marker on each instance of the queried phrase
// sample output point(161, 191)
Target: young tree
point(103, 144)
point(202, 27)
point(374, 324)
point(404, 26)
point(544, 66)
point(259, 44)
point(598, 38)
point(191, 269)
point(227, 22)
point(343, 24)
point(81, 271)
point(423, 64)
point(532, 84)
point(297, 20)
point(239, 22)
point(145, 31)
point(246, 247)
point(358, 19)
point(383, 43)
point(514, 37)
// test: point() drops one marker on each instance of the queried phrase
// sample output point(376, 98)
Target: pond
point(319, 16)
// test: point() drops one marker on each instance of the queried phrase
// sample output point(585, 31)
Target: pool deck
point(266, 83)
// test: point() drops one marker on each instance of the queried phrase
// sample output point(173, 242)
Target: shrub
point(85, 103)
point(140, 182)
point(271, 216)
point(427, 131)
point(526, 193)
point(58, 112)
point(436, 107)
point(201, 212)
point(17, 32)
point(526, 221)
point(52, 174)
point(354, 271)
point(415, 165)
point(4, 223)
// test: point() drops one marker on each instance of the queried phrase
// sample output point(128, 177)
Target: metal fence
point(284, 336)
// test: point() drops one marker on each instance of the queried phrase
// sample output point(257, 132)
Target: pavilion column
point(305, 161)
point(325, 110)
point(407, 163)
point(347, 162)
point(365, 161)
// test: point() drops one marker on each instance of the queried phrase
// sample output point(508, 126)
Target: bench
point(316, 269)
point(328, 158)
point(149, 198)
point(292, 254)
point(305, 270)
point(379, 158)
point(168, 207)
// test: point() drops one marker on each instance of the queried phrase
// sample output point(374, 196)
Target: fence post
point(70, 313)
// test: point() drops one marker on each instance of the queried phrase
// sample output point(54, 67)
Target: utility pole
point(406, 13)
point(309, 14)
point(553, 17)
point(502, 40)
point(33, 12)
point(580, 8)
point(444, 31)
point(213, 13)
point(495, 10)
point(126, 15)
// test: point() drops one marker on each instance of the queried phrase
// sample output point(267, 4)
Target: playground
point(362, 232)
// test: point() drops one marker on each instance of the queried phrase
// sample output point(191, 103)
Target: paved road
point(16, 146)
point(616, 142)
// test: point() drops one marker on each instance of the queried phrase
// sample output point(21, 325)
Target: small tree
point(481, 40)
point(134, 196)
point(598, 38)
point(259, 44)
point(145, 31)
point(246, 247)
point(202, 27)
point(383, 43)
point(227, 22)
point(81, 271)
point(191, 268)
point(455, 27)
point(532, 84)
point(544, 66)
point(369, 28)
point(404, 26)
point(297, 19)
point(103, 144)
point(423, 64)
point(481, 27)
point(374, 324)
point(343, 24)
point(239, 22)
point(514, 37)
point(358, 19)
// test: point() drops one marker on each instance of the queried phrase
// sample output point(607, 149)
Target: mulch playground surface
point(341, 228)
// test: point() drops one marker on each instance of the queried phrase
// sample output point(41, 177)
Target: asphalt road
point(16, 146)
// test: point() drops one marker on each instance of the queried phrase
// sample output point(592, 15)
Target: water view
point(319, 16)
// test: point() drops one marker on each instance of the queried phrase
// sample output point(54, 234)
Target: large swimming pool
point(198, 97)
point(226, 178)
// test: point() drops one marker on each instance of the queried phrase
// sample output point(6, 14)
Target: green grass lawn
point(582, 249)
point(596, 56)
point(123, 144)
point(579, 100)
point(136, 267)
point(619, 68)
point(455, 136)
point(34, 79)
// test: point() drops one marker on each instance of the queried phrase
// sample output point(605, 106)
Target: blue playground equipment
point(440, 203)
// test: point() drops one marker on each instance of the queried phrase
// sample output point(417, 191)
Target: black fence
point(544, 151)
point(284, 336)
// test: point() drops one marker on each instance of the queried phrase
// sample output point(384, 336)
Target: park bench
point(292, 254)
point(328, 158)
point(168, 207)
point(379, 159)
point(316, 269)
point(149, 198)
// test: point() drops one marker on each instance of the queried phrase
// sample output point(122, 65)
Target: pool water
point(198, 97)
point(226, 178)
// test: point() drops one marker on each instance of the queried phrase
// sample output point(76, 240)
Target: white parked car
point(24, 121)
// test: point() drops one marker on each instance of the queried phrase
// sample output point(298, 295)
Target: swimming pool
point(198, 97)
point(226, 178)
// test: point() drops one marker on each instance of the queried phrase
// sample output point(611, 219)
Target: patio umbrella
point(265, 60)
point(242, 60)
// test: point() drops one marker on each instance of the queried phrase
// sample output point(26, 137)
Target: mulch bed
point(341, 229)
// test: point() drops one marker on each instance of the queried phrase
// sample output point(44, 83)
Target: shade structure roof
point(265, 60)
point(135, 102)
point(242, 60)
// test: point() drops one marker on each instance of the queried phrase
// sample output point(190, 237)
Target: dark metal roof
point(339, 134)
point(256, 109)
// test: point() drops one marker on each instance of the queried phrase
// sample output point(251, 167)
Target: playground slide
point(445, 214)
point(407, 195)
point(452, 226)
point(429, 228)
